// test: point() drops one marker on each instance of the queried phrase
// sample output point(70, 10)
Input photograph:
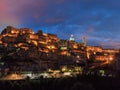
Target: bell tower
point(84, 41)
point(72, 37)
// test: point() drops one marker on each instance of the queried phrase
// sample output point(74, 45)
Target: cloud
point(94, 19)
point(7, 15)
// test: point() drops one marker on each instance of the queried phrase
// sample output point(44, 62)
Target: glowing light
point(12, 77)
point(51, 47)
point(75, 46)
point(64, 53)
point(111, 58)
point(64, 68)
point(45, 34)
point(35, 42)
point(67, 74)
point(78, 56)
point(72, 38)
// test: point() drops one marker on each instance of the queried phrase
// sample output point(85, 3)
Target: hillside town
point(23, 51)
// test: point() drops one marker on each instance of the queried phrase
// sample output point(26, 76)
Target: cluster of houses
point(47, 50)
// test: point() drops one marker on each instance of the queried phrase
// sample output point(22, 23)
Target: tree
point(39, 33)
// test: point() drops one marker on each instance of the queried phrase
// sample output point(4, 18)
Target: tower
point(84, 41)
point(72, 37)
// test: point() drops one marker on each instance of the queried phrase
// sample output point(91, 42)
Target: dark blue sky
point(97, 20)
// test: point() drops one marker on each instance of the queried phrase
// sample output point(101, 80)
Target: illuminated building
point(33, 36)
point(84, 41)
point(94, 48)
point(104, 57)
point(10, 30)
point(111, 51)
point(26, 31)
point(72, 38)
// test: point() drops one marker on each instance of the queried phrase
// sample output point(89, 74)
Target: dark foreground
point(69, 83)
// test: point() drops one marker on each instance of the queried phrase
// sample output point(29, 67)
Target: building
point(72, 38)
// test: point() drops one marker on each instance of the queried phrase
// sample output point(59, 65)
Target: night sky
point(97, 20)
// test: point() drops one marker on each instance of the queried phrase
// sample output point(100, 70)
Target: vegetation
point(69, 83)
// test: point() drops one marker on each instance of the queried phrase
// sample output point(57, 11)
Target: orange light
point(111, 58)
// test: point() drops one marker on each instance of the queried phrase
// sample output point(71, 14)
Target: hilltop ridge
point(23, 50)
